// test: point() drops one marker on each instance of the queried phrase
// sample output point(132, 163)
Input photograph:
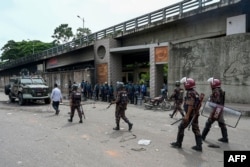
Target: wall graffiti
point(226, 58)
point(239, 69)
point(202, 60)
point(193, 62)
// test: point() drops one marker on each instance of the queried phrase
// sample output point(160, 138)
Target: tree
point(14, 50)
point(80, 32)
point(62, 34)
point(10, 51)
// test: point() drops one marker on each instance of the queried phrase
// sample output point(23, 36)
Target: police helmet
point(177, 83)
point(189, 83)
point(214, 83)
point(120, 85)
point(74, 86)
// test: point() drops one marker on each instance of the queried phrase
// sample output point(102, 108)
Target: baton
point(82, 111)
point(176, 121)
point(191, 122)
point(109, 105)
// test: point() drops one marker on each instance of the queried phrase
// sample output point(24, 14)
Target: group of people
point(191, 104)
point(75, 98)
point(106, 92)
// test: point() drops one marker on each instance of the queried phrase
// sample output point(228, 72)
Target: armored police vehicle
point(27, 89)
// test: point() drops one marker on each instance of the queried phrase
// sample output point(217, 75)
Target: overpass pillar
point(158, 57)
point(108, 66)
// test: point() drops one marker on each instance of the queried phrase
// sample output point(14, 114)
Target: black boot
point(80, 121)
point(117, 127)
point(198, 146)
point(171, 115)
point(178, 143)
point(205, 130)
point(71, 119)
point(204, 133)
point(224, 138)
point(130, 125)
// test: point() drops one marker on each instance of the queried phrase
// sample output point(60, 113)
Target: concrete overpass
point(197, 38)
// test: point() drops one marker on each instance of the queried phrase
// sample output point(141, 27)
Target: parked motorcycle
point(160, 102)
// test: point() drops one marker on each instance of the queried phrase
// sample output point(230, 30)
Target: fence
point(114, 31)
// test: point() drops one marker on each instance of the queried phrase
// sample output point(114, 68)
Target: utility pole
point(82, 20)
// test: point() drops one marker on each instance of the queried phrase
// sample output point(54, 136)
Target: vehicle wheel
point(11, 98)
point(47, 101)
point(7, 89)
point(148, 106)
point(166, 106)
point(20, 99)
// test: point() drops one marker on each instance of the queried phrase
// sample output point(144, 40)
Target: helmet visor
point(183, 80)
point(210, 80)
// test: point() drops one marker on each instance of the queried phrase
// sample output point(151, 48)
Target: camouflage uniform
point(216, 97)
point(75, 104)
point(191, 103)
point(120, 109)
point(177, 101)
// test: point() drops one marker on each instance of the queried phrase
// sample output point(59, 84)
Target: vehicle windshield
point(26, 81)
point(37, 81)
point(33, 80)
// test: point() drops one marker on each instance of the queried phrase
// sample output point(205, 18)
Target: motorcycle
point(161, 102)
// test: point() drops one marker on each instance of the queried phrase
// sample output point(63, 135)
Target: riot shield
point(231, 116)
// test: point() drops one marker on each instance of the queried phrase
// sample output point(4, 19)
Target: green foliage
point(80, 32)
point(10, 50)
point(14, 50)
point(165, 75)
point(145, 77)
point(62, 34)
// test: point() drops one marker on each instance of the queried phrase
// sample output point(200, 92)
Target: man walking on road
point(56, 98)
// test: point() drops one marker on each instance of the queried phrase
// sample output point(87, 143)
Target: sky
point(37, 19)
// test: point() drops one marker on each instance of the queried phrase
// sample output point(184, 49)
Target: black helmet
point(74, 86)
point(120, 85)
point(177, 83)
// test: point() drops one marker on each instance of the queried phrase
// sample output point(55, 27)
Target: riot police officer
point(121, 105)
point(217, 97)
point(191, 103)
point(75, 103)
point(178, 99)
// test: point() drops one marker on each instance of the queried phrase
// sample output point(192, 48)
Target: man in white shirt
point(56, 98)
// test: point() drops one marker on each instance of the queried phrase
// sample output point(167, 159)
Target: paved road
point(32, 135)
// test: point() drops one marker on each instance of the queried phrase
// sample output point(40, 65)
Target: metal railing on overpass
point(117, 30)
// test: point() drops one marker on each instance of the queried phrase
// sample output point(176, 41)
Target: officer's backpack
point(123, 98)
point(77, 97)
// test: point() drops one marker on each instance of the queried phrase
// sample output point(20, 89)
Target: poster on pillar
point(161, 55)
point(102, 72)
